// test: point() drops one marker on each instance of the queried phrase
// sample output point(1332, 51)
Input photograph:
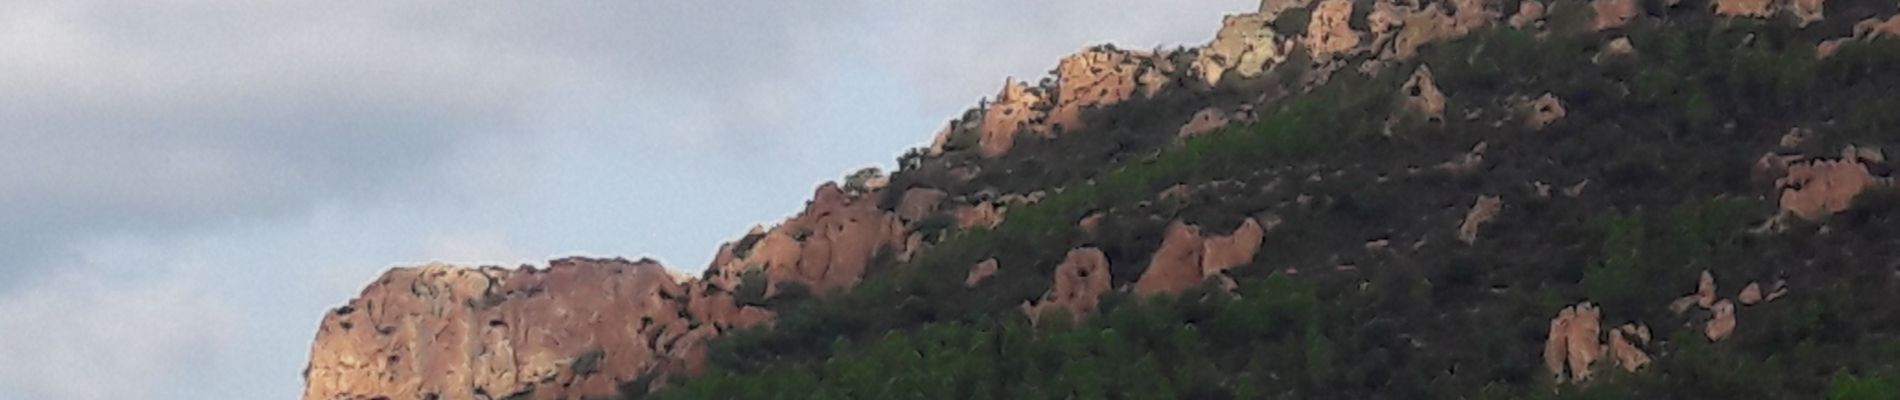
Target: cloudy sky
point(186, 185)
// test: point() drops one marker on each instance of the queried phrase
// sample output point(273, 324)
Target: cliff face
point(579, 327)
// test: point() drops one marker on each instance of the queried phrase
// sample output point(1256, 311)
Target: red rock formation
point(1816, 189)
point(1625, 346)
point(1176, 266)
point(1421, 28)
point(1557, 344)
point(1705, 290)
point(1723, 323)
point(1542, 112)
point(1207, 120)
point(1582, 344)
point(1750, 294)
point(1529, 12)
point(1220, 253)
point(979, 272)
point(1186, 258)
point(1612, 14)
point(1422, 95)
point(919, 203)
point(1327, 32)
point(1016, 109)
point(1481, 212)
point(826, 247)
point(1572, 343)
point(574, 329)
point(1745, 8)
point(982, 215)
point(1807, 11)
point(1080, 281)
point(1090, 223)
point(1245, 44)
point(1092, 78)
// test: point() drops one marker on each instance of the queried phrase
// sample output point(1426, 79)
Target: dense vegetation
point(1661, 142)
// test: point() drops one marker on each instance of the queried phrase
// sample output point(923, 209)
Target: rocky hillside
point(1330, 199)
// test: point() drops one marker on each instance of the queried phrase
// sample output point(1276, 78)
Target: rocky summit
point(1327, 199)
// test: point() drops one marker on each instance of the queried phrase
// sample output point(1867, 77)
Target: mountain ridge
point(1104, 141)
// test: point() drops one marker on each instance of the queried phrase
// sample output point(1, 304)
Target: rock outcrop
point(919, 203)
point(1186, 257)
point(1093, 78)
point(1207, 120)
point(1818, 188)
point(1612, 14)
point(1483, 211)
point(1245, 44)
point(980, 272)
point(575, 329)
point(1079, 283)
point(1572, 345)
point(1422, 95)
point(1016, 109)
point(983, 215)
point(1626, 346)
point(826, 247)
point(1745, 8)
point(1723, 323)
point(1176, 265)
point(1327, 32)
point(1543, 111)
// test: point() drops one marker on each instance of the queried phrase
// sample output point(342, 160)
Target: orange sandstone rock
point(1483, 211)
point(1080, 281)
point(979, 272)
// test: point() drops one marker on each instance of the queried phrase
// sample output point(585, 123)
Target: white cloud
point(76, 337)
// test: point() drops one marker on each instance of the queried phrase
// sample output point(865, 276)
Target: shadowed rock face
point(574, 329)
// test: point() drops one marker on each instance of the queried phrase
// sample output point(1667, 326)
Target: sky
point(187, 185)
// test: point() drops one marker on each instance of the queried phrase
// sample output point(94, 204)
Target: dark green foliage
point(752, 286)
point(1849, 387)
point(1293, 21)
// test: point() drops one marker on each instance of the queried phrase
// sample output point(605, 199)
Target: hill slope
point(1343, 199)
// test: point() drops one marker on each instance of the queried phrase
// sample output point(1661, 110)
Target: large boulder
point(1722, 324)
point(1482, 212)
point(1207, 120)
point(1176, 265)
point(980, 272)
point(1079, 283)
point(1422, 96)
point(1220, 253)
point(1187, 257)
point(1816, 189)
point(1612, 14)
point(1572, 345)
